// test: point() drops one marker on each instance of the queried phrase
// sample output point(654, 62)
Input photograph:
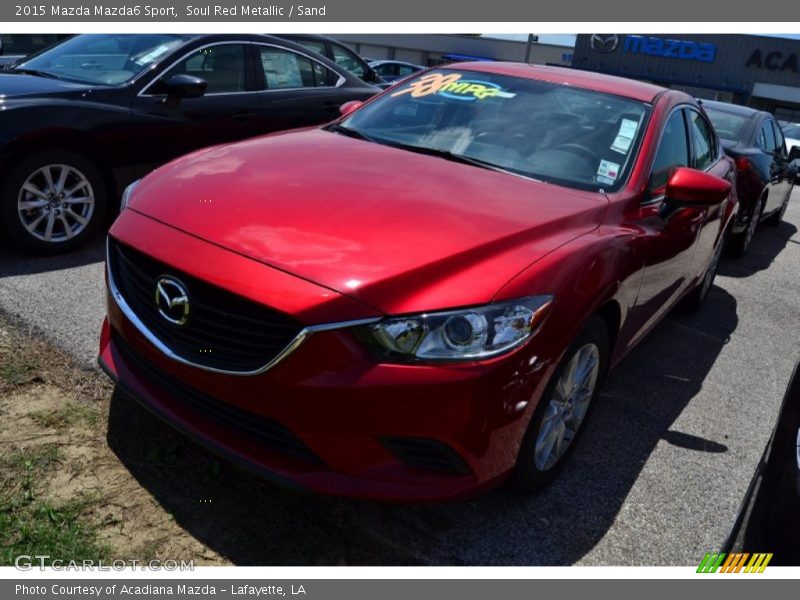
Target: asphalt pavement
point(660, 472)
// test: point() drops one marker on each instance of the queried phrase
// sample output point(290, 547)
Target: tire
point(695, 299)
point(775, 219)
point(60, 213)
point(536, 467)
point(739, 244)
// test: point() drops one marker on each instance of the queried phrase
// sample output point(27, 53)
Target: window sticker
point(454, 87)
point(281, 69)
point(154, 54)
point(607, 172)
point(625, 135)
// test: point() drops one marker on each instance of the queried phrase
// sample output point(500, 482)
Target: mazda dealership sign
point(655, 46)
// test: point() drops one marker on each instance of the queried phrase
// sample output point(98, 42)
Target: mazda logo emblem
point(172, 300)
point(605, 43)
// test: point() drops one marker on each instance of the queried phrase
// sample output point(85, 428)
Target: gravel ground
point(659, 475)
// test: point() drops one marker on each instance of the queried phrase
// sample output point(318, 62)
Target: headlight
point(466, 334)
point(126, 195)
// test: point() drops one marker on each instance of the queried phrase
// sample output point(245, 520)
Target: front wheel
point(557, 422)
point(52, 202)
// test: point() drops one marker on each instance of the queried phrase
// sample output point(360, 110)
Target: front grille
point(426, 454)
point(266, 431)
point(224, 331)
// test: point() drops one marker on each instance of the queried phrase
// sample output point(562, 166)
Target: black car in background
point(769, 519)
point(81, 120)
point(764, 173)
point(395, 70)
point(340, 54)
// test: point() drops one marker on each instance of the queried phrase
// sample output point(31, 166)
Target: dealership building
point(434, 49)
point(758, 71)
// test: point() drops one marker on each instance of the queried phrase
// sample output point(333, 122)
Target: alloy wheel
point(567, 407)
point(56, 203)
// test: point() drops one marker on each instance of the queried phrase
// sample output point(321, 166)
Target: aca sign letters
point(773, 61)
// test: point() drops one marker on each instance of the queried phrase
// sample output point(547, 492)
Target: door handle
point(243, 116)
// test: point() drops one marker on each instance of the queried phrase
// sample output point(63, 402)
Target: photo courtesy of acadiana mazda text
point(421, 299)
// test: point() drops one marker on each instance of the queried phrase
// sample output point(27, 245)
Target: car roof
point(598, 82)
point(734, 109)
point(306, 36)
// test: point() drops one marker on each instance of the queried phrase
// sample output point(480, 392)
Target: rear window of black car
point(727, 125)
point(792, 131)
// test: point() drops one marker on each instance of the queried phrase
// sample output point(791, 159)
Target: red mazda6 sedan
point(420, 300)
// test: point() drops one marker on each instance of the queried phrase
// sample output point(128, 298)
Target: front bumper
point(328, 418)
point(332, 425)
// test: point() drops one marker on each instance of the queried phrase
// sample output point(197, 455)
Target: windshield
point(550, 132)
point(102, 59)
point(728, 125)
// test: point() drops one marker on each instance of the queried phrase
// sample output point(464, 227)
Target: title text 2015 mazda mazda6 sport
point(422, 299)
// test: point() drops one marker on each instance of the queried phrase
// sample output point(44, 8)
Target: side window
point(703, 141)
point(673, 152)
point(313, 45)
point(348, 60)
point(323, 76)
point(284, 69)
point(222, 66)
point(768, 135)
point(404, 71)
point(780, 143)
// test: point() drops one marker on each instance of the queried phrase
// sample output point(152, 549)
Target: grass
point(67, 416)
point(15, 372)
point(32, 527)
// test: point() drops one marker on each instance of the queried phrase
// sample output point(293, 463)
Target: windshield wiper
point(449, 155)
point(336, 127)
point(440, 152)
point(35, 72)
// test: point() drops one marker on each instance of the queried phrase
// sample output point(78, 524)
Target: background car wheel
point(557, 424)
point(52, 202)
point(739, 244)
point(775, 219)
point(695, 299)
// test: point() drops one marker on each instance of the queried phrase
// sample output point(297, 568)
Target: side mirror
point(794, 153)
point(348, 107)
point(695, 188)
point(184, 86)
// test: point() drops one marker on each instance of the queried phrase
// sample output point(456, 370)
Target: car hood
point(30, 86)
point(398, 230)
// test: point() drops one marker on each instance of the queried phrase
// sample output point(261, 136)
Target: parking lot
point(657, 479)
